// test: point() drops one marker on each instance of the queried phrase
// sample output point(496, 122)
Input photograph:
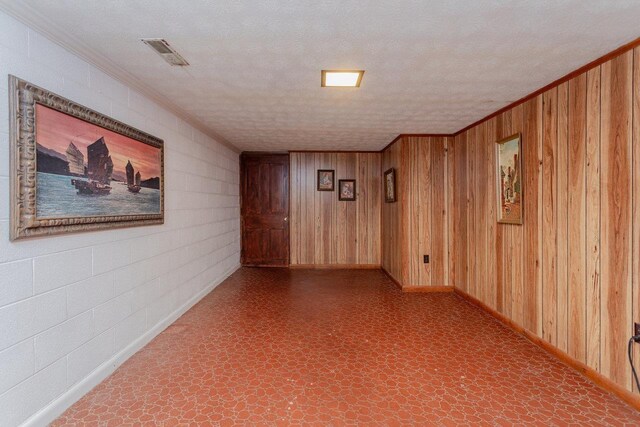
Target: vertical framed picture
point(509, 179)
point(74, 169)
point(326, 180)
point(347, 190)
point(390, 186)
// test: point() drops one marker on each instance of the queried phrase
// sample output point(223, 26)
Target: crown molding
point(595, 63)
point(416, 135)
point(35, 20)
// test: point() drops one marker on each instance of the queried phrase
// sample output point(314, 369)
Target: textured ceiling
point(254, 79)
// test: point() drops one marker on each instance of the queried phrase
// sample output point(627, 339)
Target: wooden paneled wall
point(571, 272)
point(325, 231)
point(392, 220)
point(418, 223)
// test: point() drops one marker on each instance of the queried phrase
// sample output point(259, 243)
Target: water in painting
point(85, 170)
point(61, 199)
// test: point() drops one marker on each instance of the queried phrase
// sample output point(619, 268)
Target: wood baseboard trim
point(336, 151)
point(335, 266)
point(411, 288)
point(596, 377)
point(393, 279)
point(263, 266)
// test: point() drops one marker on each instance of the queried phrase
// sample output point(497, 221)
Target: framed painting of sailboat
point(74, 169)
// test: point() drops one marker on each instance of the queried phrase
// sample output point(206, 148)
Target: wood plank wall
point(325, 231)
point(571, 273)
point(418, 223)
point(392, 220)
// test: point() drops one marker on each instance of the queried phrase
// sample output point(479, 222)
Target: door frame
point(254, 154)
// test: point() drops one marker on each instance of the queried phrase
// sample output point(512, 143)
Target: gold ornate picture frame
point(88, 186)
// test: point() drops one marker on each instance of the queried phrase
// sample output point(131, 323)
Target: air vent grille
point(168, 53)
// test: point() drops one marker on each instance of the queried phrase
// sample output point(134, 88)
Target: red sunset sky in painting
point(56, 130)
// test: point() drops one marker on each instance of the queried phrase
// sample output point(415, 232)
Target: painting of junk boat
point(86, 170)
point(91, 172)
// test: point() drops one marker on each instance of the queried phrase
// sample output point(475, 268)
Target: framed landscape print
point(74, 169)
point(509, 180)
point(347, 190)
point(390, 186)
point(326, 181)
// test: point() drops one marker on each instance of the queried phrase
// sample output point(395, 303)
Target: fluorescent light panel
point(341, 78)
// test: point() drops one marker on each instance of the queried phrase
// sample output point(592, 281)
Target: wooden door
point(264, 183)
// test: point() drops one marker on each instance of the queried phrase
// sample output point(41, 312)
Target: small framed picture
point(347, 190)
point(509, 180)
point(326, 180)
point(390, 186)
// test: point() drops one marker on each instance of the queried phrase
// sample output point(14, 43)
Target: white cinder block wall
point(74, 307)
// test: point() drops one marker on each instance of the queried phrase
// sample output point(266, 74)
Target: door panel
point(265, 209)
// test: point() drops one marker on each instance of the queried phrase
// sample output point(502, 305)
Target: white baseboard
point(54, 409)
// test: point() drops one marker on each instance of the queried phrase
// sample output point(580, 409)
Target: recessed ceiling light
point(341, 78)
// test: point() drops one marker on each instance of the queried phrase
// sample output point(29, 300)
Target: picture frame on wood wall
point(509, 180)
point(73, 169)
point(326, 180)
point(390, 186)
point(347, 190)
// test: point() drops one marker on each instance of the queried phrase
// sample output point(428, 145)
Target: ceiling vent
point(167, 52)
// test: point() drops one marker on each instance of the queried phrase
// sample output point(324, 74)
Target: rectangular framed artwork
point(347, 190)
point(509, 180)
point(390, 185)
point(326, 180)
point(74, 169)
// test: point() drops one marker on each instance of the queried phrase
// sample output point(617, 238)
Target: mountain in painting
point(48, 163)
point(119, 176)
point(50, 152)
point(153, 183)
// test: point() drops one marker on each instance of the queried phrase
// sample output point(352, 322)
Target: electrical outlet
point(636, 328)
point(425, 258)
